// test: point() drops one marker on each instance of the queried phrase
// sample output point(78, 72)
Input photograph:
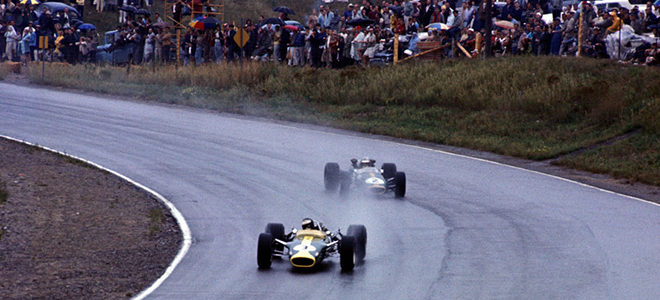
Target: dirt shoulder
point(68, 230)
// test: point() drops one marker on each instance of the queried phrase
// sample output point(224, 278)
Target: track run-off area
point(467, 228)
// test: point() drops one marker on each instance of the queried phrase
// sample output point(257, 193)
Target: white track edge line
point(185, 230)
point(484, 160)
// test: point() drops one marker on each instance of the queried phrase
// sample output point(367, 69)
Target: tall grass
point(530, 107)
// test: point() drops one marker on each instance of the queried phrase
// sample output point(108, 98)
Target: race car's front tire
point(360, 234)
point(389, 170)
point(347, 253)
point(331, 176)
point(399, 184)
point(277, 231)
point(265, 251)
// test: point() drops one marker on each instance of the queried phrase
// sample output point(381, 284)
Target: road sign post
point(241, 38)
point(43, 46)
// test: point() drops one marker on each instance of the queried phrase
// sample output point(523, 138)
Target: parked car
point(113, 52)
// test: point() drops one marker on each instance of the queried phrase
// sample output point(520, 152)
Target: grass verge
point(530, 107)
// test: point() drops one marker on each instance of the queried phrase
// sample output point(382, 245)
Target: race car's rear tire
point(399, 184)
point(347, 253)
point(389, 170)
point(331, 176)
point(265, 251)
point(360, 234)
point(344, 183)
point(277, 231)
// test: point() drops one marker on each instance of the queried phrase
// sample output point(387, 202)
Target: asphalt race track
point(467, 229)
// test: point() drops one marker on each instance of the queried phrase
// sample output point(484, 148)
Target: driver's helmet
point(308, 223)
point(366, 162)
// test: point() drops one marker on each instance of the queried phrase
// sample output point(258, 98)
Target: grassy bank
point(529, 107)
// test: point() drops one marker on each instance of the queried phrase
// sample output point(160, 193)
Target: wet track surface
point(467, 229)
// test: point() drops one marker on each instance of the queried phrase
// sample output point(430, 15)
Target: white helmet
point(366, 162)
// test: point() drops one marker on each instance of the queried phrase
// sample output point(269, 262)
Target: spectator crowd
point(360, 33)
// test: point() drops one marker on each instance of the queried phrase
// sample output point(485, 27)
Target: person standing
point(356, 44)
point(276, 43)
point(12, 39)
point(317, 40)
point(149, 42)
point(232, 47)
point(252, 40)
point(27, 39)
point(69, 45)
point(199, 48)
point(569, 33)
point(285, 40)
point(166, 44)
point(188, 46)
point(555, 43)
point(100, 5)
point(218, 45)
point(298, 49)
point(80, 6)
point(158, 45)
point(408, 10)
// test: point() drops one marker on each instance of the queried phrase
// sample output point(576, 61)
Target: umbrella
point(75, 23)
point(128, 8)
point(204, 23)
point(360, 22)
point(55, 7)
point(438, 26)
point(143, 11)
point(30, 2)
point(291, 27)
point(161, 24)
point(284, 9)
point(265, 26)
point(275, 21)
point(294, 23)
point(86, 26)
point(504, 24)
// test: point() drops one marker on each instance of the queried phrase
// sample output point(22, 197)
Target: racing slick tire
point(360, 234)
point(344, 183)
point(265, 251)
point(389, 170)
point(399, 184)
point(347, 253)
point(331, 176)
point(277, 231)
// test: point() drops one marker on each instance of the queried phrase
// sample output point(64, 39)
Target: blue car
point(116, 55)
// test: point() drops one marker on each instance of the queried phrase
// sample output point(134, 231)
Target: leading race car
point(308, 247)
point(363, 175)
